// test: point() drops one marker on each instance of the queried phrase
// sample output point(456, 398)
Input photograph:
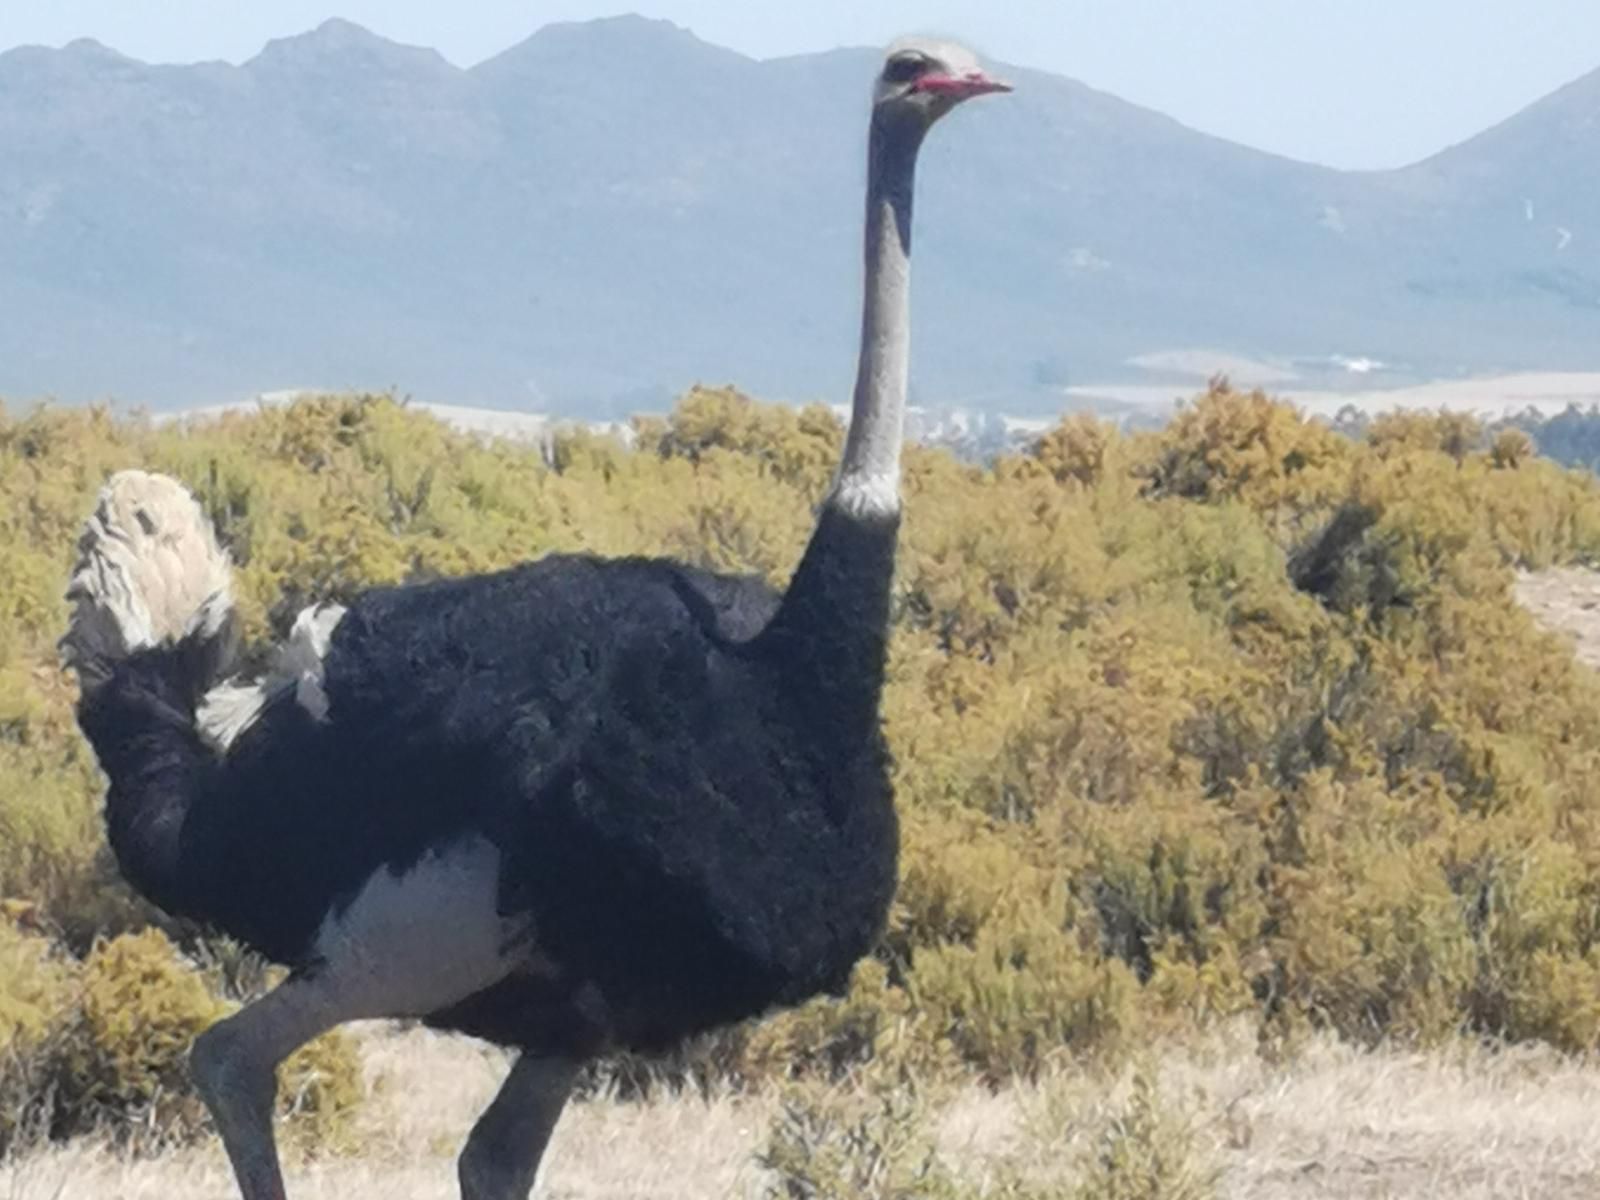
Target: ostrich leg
point(235, 1062)
point(502, 1154)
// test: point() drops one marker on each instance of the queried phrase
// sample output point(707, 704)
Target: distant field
point(1333, 1122)
point(1545, 392)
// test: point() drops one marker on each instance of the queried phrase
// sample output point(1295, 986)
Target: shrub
point(104, 1048)
point(1146, 1149)
point(36, 1001)
point(123, 1064)
point(828, 1143)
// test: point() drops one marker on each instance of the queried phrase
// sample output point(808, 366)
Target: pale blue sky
point(1359, 83)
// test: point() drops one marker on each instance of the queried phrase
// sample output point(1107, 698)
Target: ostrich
point(573, 807)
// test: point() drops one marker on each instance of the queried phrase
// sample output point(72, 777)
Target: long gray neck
point(830, 633)
point(868, 484)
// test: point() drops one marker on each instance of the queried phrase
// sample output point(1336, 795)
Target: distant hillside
point(611, 211)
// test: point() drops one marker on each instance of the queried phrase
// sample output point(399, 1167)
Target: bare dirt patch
point(1565, 600)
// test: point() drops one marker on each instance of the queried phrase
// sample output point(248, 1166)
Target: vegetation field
point(1252, 827)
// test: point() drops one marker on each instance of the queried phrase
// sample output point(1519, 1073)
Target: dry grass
point(426, 1091)
point(1338, 1121)
point(1333, 1122)
point(1468, 1123)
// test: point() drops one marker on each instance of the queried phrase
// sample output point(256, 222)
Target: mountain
point(613, 210)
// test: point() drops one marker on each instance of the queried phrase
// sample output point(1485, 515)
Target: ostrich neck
point(830, 633)
point(142, 728)
point(868, 484)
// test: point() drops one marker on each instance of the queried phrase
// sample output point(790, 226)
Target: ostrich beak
point(964, 87)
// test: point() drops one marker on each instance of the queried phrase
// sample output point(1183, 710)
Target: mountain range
point(613, 210)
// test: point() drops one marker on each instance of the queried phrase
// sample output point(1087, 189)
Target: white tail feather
point(232, 707)
point(149, 571)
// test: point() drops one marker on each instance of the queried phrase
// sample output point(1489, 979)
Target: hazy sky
point(1363, 83)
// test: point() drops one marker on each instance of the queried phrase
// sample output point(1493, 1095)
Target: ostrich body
point(576, 806)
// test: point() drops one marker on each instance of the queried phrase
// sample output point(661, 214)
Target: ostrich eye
point(905, 67)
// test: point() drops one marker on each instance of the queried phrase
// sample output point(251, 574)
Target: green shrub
point(123, 1065)
point(1147, 1149)
point(36, 1003)
point(102, 1046)
point(830, 1143)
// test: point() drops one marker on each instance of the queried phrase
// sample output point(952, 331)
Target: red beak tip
point(975, 83)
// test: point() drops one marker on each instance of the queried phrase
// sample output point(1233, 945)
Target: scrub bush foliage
point(1233, 719)
point(102, 1045)
point(837, 1144)
point(1101, 1137)
point(1146, 1148)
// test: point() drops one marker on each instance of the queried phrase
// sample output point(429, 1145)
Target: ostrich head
point(922, 80)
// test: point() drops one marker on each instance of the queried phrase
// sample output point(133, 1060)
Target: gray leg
point(235, 1062)
point(503, 1151)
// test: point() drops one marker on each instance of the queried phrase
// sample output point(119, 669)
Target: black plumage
point(690, 808)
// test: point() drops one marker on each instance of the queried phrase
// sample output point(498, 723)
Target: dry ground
point(1334, 1122)
point(1566, 600)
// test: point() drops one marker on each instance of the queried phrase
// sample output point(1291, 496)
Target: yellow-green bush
point(840, 1144)
point(1127, 1139)
point(36, 1001)
point(1146, 1149)
point(1236, 717)
point(123, 1063)
point(103, 1046)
